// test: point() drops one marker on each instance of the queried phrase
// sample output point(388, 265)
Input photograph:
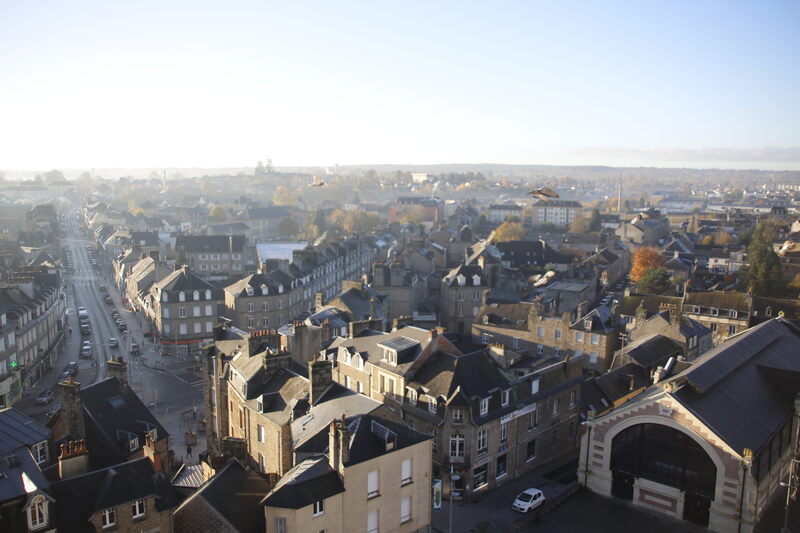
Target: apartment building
point(461, 292)
point(557, 212)
point(10, 375)
point(525, 328)
point(498, 213)
point(214, 256)
point(263, 301)
point(375, 476)
point(37, 312)
point(182, 308)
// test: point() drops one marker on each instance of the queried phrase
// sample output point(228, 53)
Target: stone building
point(401, 288)
point(214, 256)
point(263, 301)
point(375, 476)
point(709, 444)
point(182, 309)
point(461, 292)
point(525, 328)
point(724, 313)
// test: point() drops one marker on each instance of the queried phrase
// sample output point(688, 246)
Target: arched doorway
point(668, 456)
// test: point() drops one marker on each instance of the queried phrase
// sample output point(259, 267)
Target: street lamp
point(792, 486)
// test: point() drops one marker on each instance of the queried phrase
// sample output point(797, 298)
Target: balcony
point(459, 459)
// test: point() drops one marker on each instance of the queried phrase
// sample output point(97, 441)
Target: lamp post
point(792, 486)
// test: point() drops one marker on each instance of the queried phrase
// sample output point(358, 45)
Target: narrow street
point(170, 387)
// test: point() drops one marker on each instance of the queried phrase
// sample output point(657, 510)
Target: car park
point(44, 397)
point(528, 500)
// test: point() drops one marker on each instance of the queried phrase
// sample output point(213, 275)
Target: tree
point(217, 214)
point(721, 238)
point(53, 176)
point(509, 231)
point(763, 275)
point(283, 196)
point(288, 226)
point(579, 224)
point(594, 220)
point(654, 281)
point(645, 258)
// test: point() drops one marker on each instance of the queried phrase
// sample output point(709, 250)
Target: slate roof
point(189, 476)
point(468, 271)
point(305, 483)
point(601, 319)
point(651, 350)
point(19, 473)
point(234, 493)
point(112, 411)
point(738, 301)
point(652, 303)
point(18, 430)
point(80, 497)
point(743, 390)
point(368, 346)
point(210, 243)
point(184, 279)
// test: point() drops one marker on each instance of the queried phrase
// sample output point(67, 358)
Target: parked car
point(72, 368)
point(528, 500)
point(113, 342)
point(87, 344)
point(86, 353)
point(135, 350)
point(44, 397)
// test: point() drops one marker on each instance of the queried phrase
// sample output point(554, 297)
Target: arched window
point(208, 294)
point(164, 297)
point(196, 296)
point(665, 455)
point(181, 296)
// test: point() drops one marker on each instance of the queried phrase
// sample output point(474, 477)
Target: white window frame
point(405, 471)
point(37, 513)
point(504, 397)
point(138, 507)
point(405, 510)
point(458, 415)
point(432, 405)
point(373, 484)
point(39, 452)
point(484, 406)
point(318, 508)
point(108, 518)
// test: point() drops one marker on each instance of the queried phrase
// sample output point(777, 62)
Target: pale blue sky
point(141, 84)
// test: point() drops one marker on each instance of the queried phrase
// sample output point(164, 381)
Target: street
point(170, 387)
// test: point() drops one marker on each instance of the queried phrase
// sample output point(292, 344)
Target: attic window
point(461, 280)
point(715, 311)
point(181, 297)
point(768, 311)
point(196, 295)
point(208, 294)
point(476, 280)
point(264, 290)
point(587, 324)
point(249, 291)
point(133, 444)
point(696, 309)
point(734, 314)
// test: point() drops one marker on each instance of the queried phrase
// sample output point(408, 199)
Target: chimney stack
point(373, 306)
point(73, 459)
point(234, 447)
point(319, 300)
point(149, 450)
point(69, 395)
point(275, 360)
point(320, 377)
point(118, 368)
point(338, 444)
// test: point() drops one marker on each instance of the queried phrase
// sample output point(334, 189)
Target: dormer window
point(249, 291)
point(432, 405)
point(37, 512)
point(587, 324)
point(412, 396)
point(484, 406)
point(461, 280)
point(696, 309)
point(196, 295)
point(715, 311)
point(164, 296)
point(133, 444)
point(734, 314)
point(181, 297)
point(476, 280)
point(768, 311)
point(280, 288)
point(504, 396)
point(208, 294)
point(264, 290)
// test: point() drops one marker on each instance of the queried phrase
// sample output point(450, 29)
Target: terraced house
point(213, 255)
point(263, 301)
point(37, 312)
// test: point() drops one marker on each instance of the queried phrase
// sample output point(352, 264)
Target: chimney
point(320, 377)
point(319, 300)
point(149, 450)
point(373, 304)
point(118, 368)
point(485, 297)
point(338, 444)
point(154, 255)
point(69, 395)
point(234, 447)
point(73, 459)
point(275, 360)
point(432, 334)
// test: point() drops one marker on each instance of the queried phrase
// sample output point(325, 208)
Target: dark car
point(44, 397)
point(72, 368)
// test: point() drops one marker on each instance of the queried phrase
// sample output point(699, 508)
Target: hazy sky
point(146, 84)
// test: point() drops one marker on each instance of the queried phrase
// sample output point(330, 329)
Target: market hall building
point(709, 444)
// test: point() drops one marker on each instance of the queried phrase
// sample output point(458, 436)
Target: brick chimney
point(118, 368)
point(319, 300)
point(73, 459)
point(69, 396)
point(149, 450)
point(320, 377)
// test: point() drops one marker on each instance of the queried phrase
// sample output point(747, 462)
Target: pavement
point(567, 509)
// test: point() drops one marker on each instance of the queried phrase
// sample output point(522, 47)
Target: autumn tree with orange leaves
point(643, 260)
